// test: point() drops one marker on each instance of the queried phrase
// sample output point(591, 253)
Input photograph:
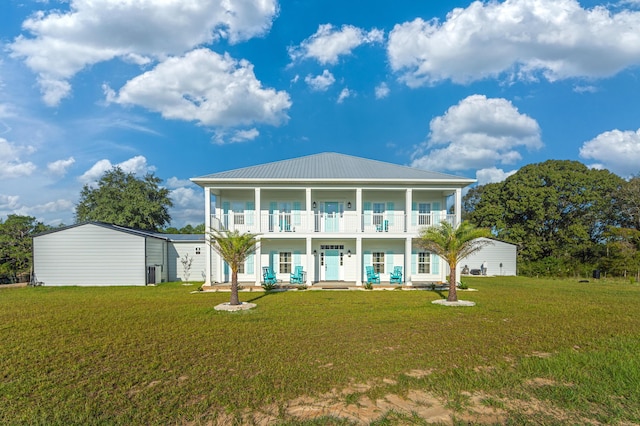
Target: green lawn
point(158, 355)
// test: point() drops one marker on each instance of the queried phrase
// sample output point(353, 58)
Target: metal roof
point(139, 232)
point(331, 166)
point(119, 228)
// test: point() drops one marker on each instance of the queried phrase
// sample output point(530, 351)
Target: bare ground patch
point(354, 405)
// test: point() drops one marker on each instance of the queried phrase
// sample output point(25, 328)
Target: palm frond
point(233, 246)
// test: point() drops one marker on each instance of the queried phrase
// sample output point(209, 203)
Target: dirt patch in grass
point(354, 405)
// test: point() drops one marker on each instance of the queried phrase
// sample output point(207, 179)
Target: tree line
point(565, 218)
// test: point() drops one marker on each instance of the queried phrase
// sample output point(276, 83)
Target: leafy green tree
point(452, 245)
point(16, 244)
point(623, 252)
point(187, 229)
point(555, 209)
point(234, 248)
point(123, 199)
point(630, 203)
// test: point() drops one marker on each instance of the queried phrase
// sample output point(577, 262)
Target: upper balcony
point(300, 222)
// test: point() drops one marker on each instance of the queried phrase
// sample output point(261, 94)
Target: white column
point(310, 221)
point(258, 212)
point(407, 209)
point(458, 207)
point(359, 257)
point(311, 264)
point(407, 262)
point(359, 211)
point(257, 263)
point(207, 237)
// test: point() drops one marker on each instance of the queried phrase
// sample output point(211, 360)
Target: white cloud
point(136, 165)
point(187, 197)
point(62, 43)
point(203, 86)
point(60, 167)
point(97, 170)
point(220, 136)
point(344, 94)
point(11, 166)
point(382, 91)
point(477, 133)
point(188, 206)
point(615, 150)
point(585, 89)
point(522, 38)
point(52, 206)
point(9, 202)
point(245, 135)
point(492, 175)
point(174, 182)
point(320, 83)
point(329, 43)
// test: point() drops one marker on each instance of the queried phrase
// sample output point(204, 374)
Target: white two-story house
point(332, 214)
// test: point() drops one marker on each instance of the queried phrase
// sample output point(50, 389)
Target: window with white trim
point(378, 213)
point(241, 268)
point(377, 260)
point(424, 263)
point(285, 262)
point(424, 213)
point(238, 213)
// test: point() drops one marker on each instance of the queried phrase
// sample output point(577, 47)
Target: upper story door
point(332, 212)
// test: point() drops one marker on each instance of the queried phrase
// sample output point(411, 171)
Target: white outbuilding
point(101, 254)
point(500, 258)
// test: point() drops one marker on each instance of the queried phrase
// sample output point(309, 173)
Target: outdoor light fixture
point(315, 252)
point(349, 253)
point(349, 204)
point(314, 204)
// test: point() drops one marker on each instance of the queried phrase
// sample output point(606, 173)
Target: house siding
point(89, 255)
point(177, 250)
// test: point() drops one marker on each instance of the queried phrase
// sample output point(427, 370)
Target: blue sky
point(184, 89)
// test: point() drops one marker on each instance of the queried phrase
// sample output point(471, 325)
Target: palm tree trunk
point(453, 294)
point(234, 288)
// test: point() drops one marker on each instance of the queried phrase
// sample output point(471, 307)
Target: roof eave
point(204, 180)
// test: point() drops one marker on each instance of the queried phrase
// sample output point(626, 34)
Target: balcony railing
point(329, 223)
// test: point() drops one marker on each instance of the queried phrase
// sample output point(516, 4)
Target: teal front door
point(331, 265)
point(331, 214)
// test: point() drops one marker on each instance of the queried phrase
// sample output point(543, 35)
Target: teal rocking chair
point(372, 276)
point(268, 276)
point(396, 275)
point(298, 276)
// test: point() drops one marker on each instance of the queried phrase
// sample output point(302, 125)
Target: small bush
point(269, 286)
point(368, 286)
point(462, 285)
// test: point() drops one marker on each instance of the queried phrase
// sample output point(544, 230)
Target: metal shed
point(500, 257)
point(99, 254)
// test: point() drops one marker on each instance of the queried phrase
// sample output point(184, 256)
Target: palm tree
point(234, 248)
point(453, 244)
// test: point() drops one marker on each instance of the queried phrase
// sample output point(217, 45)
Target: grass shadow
point(265, 294)
point(441, 294)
